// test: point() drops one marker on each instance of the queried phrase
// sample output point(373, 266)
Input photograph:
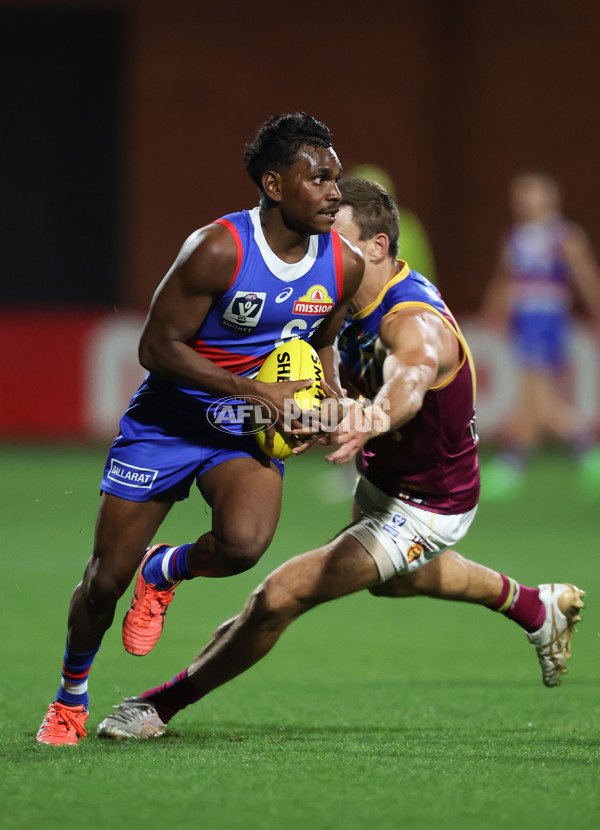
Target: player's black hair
point(278, 140)
point(373, 209)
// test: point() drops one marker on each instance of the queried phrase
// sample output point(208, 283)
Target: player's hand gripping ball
point(293, 360)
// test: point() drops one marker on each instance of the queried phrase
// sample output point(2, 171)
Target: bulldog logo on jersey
point(243, 312)
point(315, 301)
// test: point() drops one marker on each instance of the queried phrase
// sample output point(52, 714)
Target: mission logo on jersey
point(315, 301)
point(243, 312)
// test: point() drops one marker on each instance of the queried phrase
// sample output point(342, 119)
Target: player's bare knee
point(101, 587)
point(236, 561)
point(101, 593)
point(240, 551)
point(446, 576)
point(380, 590)
point(272, 606)
point(455, 573)
point(225, 626)
point(400, 586)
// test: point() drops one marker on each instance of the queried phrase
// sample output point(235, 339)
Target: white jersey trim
point(285, 271)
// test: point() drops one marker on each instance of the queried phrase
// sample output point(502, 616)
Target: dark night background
point(124, 124)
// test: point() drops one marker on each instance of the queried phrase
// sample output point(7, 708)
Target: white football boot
point(553, 640)
point(134, 718)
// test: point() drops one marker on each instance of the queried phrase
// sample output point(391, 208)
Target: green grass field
point(370, 713)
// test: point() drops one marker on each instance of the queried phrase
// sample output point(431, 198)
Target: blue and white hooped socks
point(168, 565)
point(73, 689)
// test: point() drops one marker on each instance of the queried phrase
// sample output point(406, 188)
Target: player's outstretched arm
point(421, 352)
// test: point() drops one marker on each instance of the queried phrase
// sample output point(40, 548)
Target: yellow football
point(293, 360)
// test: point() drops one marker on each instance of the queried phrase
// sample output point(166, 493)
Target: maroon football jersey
point(432, 460)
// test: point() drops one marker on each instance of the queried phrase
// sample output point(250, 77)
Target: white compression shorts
point(400, 536)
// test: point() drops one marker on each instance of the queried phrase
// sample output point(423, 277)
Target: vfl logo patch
point(285, 295)
point(243, 312)
point(131, 476)
point(315, 301)
point(393, 527)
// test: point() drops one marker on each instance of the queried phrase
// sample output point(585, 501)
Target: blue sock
point(73, 689)
point(168, 565)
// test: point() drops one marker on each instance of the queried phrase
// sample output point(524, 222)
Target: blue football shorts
point(163, 447)
point(541, 340)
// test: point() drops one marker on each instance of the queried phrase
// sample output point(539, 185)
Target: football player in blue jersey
point(544, 261)
point(238, 288)
point(416, 494)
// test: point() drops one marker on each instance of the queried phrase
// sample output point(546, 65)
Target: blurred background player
point(416, 452)
point(544, 263)
point(228, 300)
